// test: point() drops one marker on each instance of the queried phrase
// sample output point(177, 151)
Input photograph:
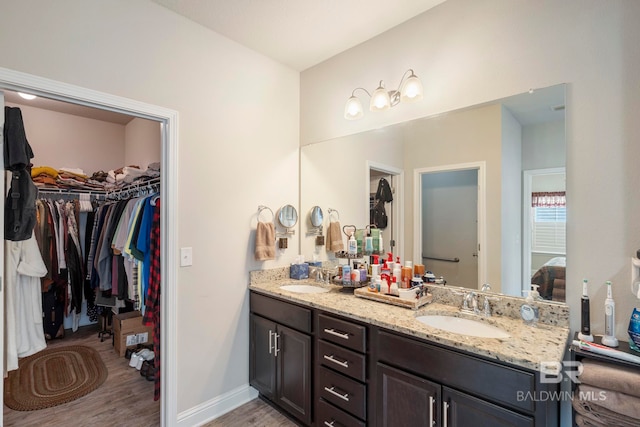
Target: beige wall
point(238, 147)
point(468, 52)
point(142, 143)
point(63, 140)
point(451, 139)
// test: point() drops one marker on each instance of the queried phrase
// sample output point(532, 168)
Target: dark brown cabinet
point(280, 357)
point(414, 386)
point(461, 410)
point(341, 372)
point(358, 374)
point(404, 399)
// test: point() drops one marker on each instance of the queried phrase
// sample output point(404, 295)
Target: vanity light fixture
point(409, 90)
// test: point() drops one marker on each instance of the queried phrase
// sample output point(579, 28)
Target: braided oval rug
point(54, 376)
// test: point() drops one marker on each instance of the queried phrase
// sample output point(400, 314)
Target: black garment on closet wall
point(20, 204)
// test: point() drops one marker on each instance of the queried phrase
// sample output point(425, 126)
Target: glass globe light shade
point(380, 100)
point(353, 109)
point(411, 89)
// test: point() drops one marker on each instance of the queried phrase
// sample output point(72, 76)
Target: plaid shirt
point(152, 301)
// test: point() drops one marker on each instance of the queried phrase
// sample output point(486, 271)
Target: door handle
point(276, 346)
point(431, 420)
point(445, 408)
point(270, 340)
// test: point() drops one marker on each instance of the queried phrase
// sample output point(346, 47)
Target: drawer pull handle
point(337, 334)
point(344, 397)
point(329, 424)
point(270, 340)
point(330, 358)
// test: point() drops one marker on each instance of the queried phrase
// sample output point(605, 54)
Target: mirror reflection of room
point(504, 139)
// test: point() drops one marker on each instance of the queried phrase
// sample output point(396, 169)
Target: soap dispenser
point(529, 311)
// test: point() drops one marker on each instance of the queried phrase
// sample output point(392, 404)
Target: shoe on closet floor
point(146, 355)
point(151, 371)
point(137, 358)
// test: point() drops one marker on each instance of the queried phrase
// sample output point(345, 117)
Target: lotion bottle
point(352, 248)
point(397, 272)
point(393, 290)
point(585, 327)
point(609, 339)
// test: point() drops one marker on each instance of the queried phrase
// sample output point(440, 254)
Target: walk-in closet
point(81, 265)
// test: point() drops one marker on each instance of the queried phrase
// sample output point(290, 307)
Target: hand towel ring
point(261, 208)
point(330, 210)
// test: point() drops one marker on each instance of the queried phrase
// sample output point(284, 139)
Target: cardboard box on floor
point(128, 331)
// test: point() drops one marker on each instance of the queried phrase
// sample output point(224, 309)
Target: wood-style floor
point(253, 414)
point(126, 398)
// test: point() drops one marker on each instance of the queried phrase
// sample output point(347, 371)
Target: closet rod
point(136, 187)
point(71, 192)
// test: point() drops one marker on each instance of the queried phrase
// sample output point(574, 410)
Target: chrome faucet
point(470, 298)
point(486, 287)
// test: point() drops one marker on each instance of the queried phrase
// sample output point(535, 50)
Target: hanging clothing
point(152, 302)
point(20, 204)
point(24, 334)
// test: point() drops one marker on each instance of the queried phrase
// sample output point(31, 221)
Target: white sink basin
point(463, 326)
point(304, 289)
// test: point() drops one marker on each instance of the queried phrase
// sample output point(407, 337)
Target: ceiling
point(299, 33)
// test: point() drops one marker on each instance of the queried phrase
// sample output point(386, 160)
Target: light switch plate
point(186, 257)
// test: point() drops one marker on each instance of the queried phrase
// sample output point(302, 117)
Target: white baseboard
point(217, 406)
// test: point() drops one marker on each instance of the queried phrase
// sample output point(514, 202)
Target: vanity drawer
point(464, 372)
point(342, 332)
point(342, 360)
point(291, 315)
point(343, 392)
point(328, 415)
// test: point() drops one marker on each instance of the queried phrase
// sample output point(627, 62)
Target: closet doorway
point(167, 119)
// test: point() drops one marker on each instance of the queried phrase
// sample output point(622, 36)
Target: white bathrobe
point(24, 334)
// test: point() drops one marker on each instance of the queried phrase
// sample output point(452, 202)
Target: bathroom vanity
point(331, 359)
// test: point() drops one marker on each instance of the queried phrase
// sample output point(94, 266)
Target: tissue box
point(299, 271)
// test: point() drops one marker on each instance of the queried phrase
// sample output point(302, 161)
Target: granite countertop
point(527, 346)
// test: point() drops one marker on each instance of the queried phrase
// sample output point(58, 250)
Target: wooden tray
point(413, 304)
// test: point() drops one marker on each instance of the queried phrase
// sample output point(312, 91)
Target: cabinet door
point(262, 361)
point(406, 400)
point(461, 410)
point(293, 355)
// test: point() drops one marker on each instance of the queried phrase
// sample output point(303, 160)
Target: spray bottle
point(585, 328)
point(609, 339)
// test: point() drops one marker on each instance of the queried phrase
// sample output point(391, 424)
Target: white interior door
point(2, 191)
point(450, 225)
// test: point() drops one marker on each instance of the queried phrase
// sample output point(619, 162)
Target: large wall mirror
point(478, 193)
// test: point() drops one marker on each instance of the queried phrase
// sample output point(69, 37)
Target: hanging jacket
point(20, 204)
point(384, 191)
